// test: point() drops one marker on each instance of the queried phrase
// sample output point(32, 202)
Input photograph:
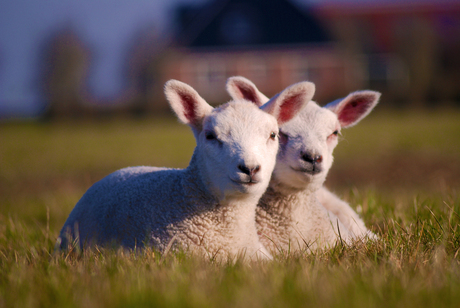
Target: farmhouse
point(273, 43)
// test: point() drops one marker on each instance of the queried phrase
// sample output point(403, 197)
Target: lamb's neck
point(194, 185)
point(284, 201)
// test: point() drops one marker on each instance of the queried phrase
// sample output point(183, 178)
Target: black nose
point(249, 171)
point(312, 159)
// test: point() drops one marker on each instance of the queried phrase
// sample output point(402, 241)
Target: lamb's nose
point(316, 159)
point(249, 170)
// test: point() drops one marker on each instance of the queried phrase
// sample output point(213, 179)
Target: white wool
point(207, 208)
point(296, 212)
point(344, 213)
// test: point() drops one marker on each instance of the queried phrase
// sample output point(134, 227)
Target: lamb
point(207, 208)
point(297, 210)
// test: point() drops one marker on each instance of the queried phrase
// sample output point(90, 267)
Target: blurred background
point(65, 58)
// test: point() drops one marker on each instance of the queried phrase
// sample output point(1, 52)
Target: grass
point(401, 171)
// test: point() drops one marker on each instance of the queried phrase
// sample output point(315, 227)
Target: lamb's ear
point(242, 88)
point(353, 108)
point(285, 105)
point(188, 105)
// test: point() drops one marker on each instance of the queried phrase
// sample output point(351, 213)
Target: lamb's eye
point(334, 134)
point(210, 135)
point(283, 137)
point(273, 135)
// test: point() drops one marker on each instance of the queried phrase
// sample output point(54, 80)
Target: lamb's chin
point(247, 189)
point(229, 197)
point(235, 190)
point(295, 179)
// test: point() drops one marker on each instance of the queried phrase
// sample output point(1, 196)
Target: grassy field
point(401, 171)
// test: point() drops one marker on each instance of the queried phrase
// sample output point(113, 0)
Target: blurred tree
point(66, 62)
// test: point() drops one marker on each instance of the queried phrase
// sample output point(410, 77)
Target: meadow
point(399, 169)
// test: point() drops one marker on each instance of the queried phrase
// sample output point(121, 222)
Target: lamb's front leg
point(344, 212)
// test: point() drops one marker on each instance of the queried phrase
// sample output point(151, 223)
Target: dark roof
point(225, 23)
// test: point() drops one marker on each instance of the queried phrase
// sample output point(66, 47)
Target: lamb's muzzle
point(313, 165)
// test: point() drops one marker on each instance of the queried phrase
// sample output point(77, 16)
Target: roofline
point(344, 8)
point(258, 48)
point(209, 10)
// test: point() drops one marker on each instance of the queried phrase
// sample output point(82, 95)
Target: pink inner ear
point(289, 107)
point(189, 107)
point(353, 111)
point(248, 94)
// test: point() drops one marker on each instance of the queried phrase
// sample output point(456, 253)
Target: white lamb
point(207, 208)
point(297, 211)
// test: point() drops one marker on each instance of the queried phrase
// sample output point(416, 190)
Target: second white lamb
point(297, 212)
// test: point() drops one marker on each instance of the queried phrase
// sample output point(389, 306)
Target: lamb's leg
point(344, 212)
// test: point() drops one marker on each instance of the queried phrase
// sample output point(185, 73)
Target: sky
point(106, 26)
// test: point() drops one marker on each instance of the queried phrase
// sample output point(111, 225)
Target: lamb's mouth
point(245, 183)
point(311, 171)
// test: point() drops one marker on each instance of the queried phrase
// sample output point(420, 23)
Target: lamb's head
point(237, 142)
point(307, 142)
